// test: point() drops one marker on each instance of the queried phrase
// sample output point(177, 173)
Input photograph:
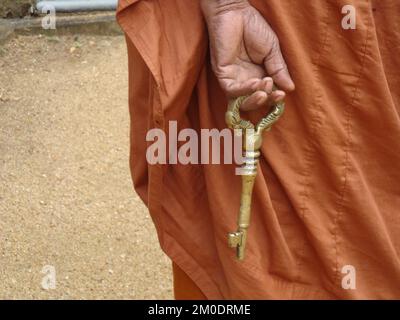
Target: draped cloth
point(327, 198)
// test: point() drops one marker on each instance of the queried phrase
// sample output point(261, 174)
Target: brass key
point(252, 141)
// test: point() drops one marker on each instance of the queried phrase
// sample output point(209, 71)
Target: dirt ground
point(66, 198)
point(14, 8)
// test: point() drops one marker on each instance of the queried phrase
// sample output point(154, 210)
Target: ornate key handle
point(252, 141)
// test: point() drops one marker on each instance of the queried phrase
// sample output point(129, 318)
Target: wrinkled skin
point(245, 53)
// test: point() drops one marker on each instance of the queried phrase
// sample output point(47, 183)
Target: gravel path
point(66, 198)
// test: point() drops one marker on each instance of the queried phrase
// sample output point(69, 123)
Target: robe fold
point(326, 203)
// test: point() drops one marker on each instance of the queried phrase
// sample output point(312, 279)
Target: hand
point(244, 52)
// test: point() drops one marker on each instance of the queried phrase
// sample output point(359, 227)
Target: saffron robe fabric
point(326, 203)
point(184, 287)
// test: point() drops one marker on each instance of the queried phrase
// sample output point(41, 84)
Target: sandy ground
point(66, 198)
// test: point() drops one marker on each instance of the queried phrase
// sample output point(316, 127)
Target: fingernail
point(279, 95)
point(292, 86)
point(262, 97)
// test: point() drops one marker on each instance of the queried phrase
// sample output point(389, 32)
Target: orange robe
point(328, 191)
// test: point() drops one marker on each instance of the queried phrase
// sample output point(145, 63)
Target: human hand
point(245, 53)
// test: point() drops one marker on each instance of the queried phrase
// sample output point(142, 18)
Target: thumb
point(277, 69)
